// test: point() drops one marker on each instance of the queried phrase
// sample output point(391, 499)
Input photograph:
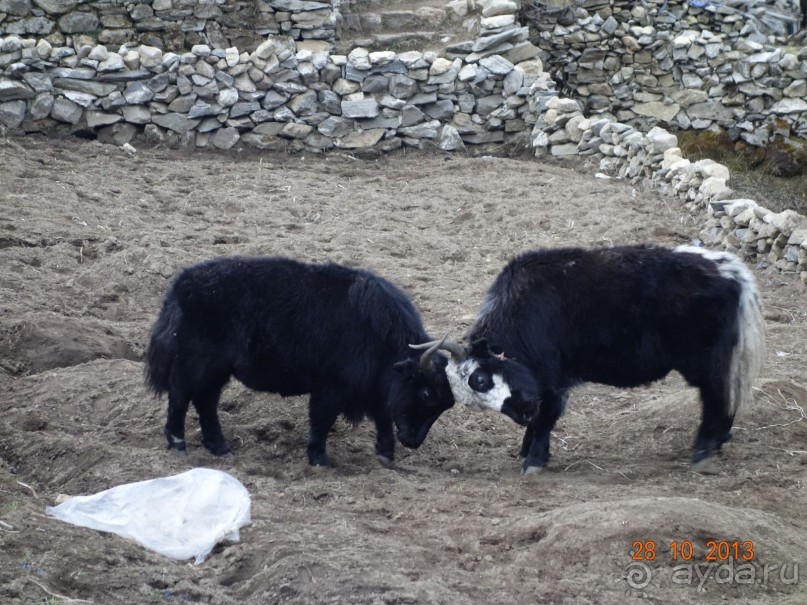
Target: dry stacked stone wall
point(167, 24)
point(289, 93)
point(669, 64)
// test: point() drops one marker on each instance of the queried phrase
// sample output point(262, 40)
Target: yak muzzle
point(521, 414)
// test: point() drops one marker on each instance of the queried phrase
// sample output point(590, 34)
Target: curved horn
point(457, 352)
point(431, 348)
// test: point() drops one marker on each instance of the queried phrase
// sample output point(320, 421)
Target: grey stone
point(159, 82)
point(38, 82)
point(225, 138)
point(375, 83)
point(12, 90)
point(273, 99)
point(175, 122)
point(264, 141)
point(97, 89)
point(242, 109)
point(208, 125)
point(486, 105)
point(330, 101)
point(18, 8)
point(360, 140)
point(484, 43)
point(304, 104)
point(402, 87)
point(201, 109)
point(295, 131)
point(65, 110)
point(136, 114)
point(423, 98)
point(425, 130)
point(117, 134)
point(79, 23)
point(33, 25)
point(450, 139)
point(96, 119)
point(367, 108)
point(269, 128)
point(12, 113)
point(227, 97)
point(137, 92)
point(41, 106)
point(80, 98)
point(497, 65)
point(380, 122)
point(710, 110)
point(125, 75)
point(113, 62)
point(411, 115)
point(494, 136)
point(442, 110)
point(183, 103)
point(335, 127)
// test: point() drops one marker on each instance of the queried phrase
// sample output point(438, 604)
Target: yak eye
point(480, 381)
point(425, 394)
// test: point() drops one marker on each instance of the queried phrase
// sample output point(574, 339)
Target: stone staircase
point(402, 25)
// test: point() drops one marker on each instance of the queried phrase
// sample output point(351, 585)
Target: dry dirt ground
point(89, 239)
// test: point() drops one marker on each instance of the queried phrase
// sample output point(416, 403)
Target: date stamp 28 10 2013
point(718, 562)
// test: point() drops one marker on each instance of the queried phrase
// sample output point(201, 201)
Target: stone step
point(397, 41)
point(400, 26)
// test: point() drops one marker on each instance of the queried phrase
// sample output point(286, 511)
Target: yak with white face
point(624, 317)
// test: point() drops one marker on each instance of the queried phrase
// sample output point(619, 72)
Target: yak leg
point(527, 441)
point(384, 436)
point(715, 427)
point(206, 403)
point(323, 409)
point(174, 430)
point(536, 438)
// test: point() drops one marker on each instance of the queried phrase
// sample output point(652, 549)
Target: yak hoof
point(706, 466)
point(384, 460)
point(217, 448)
point(531, 470)
point(175, 443)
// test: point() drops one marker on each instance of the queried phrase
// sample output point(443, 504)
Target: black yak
point(287, 327)
point(623, 316)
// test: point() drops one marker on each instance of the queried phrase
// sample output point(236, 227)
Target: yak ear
point(403, 367)
point(480, 348)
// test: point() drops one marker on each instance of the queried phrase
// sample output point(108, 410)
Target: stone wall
point(292, 94)
point(284, 93)
point(647, 65)
point(739, 225)
point(168, 24)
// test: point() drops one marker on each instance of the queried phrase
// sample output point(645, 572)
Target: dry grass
point(774, 177)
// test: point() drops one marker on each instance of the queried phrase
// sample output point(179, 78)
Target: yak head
point(483, 379)
point(475, 377)
point(419, 394)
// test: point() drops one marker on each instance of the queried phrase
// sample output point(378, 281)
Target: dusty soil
point(89, 239)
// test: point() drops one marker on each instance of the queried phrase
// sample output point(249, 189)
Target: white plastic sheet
point(181, 517)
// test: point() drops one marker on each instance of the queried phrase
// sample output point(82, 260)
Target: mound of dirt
point(89, 239)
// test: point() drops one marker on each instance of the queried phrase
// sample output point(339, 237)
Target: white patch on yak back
point(492, 399)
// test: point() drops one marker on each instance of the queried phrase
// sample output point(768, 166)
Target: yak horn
point(457, 352)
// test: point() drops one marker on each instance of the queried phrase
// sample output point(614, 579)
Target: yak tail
point(162, 348)
point(749, 351)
